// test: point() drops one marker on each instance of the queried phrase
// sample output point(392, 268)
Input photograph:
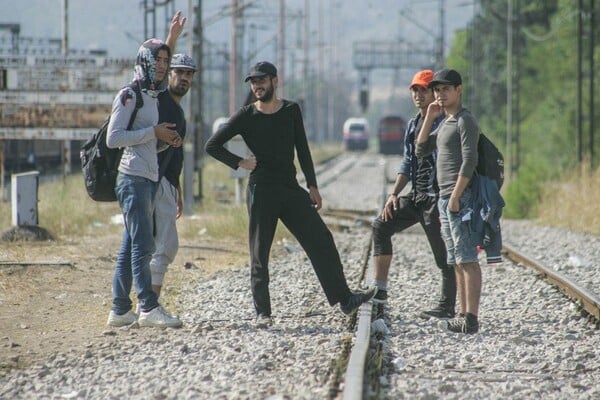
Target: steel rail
point(354, 386)
point(587, 300)
point(355, 370)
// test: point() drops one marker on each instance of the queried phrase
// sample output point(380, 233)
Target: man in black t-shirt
point(169, 199)
point(273, 129)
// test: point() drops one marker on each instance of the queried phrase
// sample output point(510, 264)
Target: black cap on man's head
point(259, 69)
point(445, 77)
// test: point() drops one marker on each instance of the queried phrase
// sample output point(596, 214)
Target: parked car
point(356, 134)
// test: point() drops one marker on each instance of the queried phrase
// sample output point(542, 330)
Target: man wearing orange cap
point(419, 205)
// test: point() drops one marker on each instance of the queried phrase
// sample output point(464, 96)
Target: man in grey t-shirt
point(456, 142)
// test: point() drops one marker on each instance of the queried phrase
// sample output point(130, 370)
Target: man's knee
point(469, 266)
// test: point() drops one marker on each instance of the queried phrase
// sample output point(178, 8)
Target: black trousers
point(425, 212)
point(268, 203)
point(409, 213)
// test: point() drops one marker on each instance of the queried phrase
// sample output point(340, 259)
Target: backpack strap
point(139, 103)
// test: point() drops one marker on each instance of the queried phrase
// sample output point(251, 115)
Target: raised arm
point(175, 30)
point(425, 144)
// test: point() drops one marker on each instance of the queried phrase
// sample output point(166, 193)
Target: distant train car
point(356, 134)
point(390, 133)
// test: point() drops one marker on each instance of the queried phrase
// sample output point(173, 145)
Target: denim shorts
point(457, 231)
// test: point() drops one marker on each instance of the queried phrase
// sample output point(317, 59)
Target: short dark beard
point(178, 92)
point(268, 96)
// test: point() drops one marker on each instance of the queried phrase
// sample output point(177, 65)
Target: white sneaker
point(157, 317)
point(117, 320)
point(137, 310)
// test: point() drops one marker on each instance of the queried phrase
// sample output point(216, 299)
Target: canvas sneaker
point(117, 320)
point(159, 318)
point(468, 324)
point(380, 297)
point(356, 299)
point(438, 312)
point(138, 310)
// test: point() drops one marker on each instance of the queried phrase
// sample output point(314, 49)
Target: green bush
point(525, 189)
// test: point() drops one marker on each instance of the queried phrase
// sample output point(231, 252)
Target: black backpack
point(99, 163)
point(491, 161)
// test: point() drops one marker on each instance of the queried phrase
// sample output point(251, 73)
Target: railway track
point(588, 302)
point(359, 381)
point(533, 343)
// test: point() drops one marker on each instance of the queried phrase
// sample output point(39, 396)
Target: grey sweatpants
point(165, 237)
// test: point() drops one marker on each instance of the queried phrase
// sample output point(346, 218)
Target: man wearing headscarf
point(137, 183)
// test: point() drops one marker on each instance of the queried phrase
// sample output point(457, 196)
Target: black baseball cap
point(445, 77)
point(259, 69)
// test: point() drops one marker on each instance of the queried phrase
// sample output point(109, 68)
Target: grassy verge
point(65, 209)
point(572, 202)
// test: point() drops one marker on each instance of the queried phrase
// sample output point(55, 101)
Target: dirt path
point(55, 296)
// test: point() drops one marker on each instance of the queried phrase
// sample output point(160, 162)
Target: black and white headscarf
point(145, 66)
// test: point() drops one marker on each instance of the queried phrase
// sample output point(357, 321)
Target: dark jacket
point(410, 162)
point(487, 211)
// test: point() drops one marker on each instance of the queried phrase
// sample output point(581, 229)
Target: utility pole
point(193, 146)
point(233, 58)
point(319, 99)
point(516, 118)
point(65, 36)
point(332, 73)
point(579, 119)
point(509, 87)
point(592, 107)
point(307, 87)
point(65, 52)
point(149, 9)
point(440, 51)
point(281, 62)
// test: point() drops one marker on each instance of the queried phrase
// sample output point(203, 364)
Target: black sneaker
point(437, 312)
point(356, 299)
point(468, 324)
point(380, 297)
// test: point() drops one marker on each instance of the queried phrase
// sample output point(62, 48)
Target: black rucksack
point(491, 161)
point(99, 163)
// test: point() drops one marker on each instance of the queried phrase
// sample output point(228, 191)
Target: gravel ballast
point(533, 341)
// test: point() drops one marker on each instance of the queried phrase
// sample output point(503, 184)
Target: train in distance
point(390, 134)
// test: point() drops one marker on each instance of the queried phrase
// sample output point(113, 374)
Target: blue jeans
point(136, 198)
point(458, 234)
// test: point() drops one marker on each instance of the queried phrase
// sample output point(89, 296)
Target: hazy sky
point(118, 25)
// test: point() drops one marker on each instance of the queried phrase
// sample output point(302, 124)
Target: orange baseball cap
point(422, 78)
